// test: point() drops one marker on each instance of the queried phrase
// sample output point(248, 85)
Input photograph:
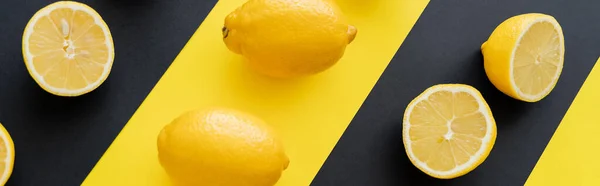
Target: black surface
point(444, 47)
point(59, 140)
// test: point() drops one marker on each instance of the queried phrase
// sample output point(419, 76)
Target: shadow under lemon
point(55, 113)
point(359, 7)
point(269, 93)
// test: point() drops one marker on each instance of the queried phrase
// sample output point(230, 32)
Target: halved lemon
point(7, 155)
point(68, 48)
point(524, 56)
point(448, 130)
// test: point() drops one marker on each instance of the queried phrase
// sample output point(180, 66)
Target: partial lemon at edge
point(7, 155)
point(524, 56)
point(68, 48)
point(448, 130)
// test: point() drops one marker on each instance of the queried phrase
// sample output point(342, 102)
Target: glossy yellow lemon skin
point(221, 147)
point(288, 38)
point(499, 49)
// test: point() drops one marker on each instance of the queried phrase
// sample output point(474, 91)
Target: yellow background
point(310, 113)
point(572, 157)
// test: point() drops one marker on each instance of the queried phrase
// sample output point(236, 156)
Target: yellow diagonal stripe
point(311, 113)
point(573, 155)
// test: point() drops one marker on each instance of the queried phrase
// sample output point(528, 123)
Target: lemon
point(68, 48)
point(524, 56)
point(221, 147)
point(7, 155)
point(288, 38)
point(448, 130)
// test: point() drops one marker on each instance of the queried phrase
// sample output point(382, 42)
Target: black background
point(444, 47)
point(59, 140)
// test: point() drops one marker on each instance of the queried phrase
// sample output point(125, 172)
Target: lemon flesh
point(288, 38)
point(537, 60)
point(448, 130)
point(68, 48)
point(220, 146)
point(7, 155)
point(524, 56)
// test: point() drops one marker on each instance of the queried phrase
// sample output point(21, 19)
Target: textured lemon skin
point(499, 49)
point(221, 147)
point(30, 68)
point(480, 160)
point(288, 38)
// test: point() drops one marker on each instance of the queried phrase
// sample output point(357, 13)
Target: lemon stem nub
point(351, 33)
point(225, 32)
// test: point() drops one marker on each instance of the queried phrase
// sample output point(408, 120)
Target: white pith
point(485, 141)
point(97, 20)
point(548, 88)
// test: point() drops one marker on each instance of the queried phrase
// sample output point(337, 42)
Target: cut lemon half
point(68, 48)
point(7, 155)
point(524, 56)
point(448, 130)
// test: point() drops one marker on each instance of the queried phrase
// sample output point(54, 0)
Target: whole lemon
point(288, 38)
point(221, 147)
